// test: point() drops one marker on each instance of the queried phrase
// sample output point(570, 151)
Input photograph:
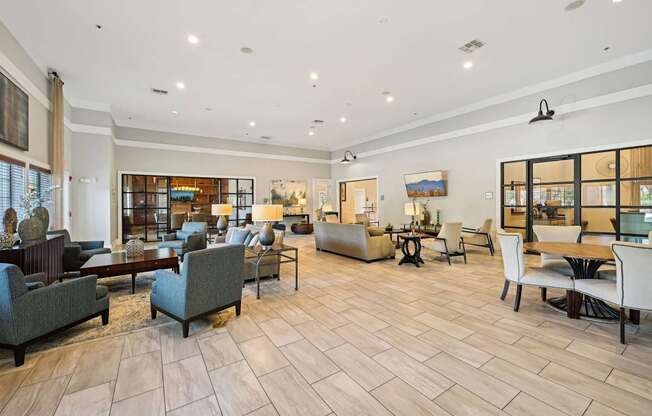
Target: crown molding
point(89, 105)
point(8, 68)
point(88, 129)
point(610, 66)
point(599, 101)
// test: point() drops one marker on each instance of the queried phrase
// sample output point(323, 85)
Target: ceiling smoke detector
point(472, 46)
point(159, 91)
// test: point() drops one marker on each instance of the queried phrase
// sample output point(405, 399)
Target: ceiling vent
point(158, 91)
point(472, 46)
point(265, 137)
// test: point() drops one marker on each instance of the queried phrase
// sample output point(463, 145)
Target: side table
point(412, 257)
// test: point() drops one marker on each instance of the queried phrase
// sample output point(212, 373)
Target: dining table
point(585, 260)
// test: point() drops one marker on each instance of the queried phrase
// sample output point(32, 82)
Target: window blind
point(12, 185)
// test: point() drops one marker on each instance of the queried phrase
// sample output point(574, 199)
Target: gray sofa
point(210, 280)
point(30, 310)
point(191, 237)
point(353, 240)
point(76, 253)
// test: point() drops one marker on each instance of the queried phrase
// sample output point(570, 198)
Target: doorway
point(358, 197)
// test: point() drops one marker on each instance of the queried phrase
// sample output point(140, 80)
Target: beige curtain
point(56, 151)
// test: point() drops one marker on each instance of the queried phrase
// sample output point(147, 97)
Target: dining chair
point(632, 288)
point(556, 234)
point(515, 270)
point(448, 242)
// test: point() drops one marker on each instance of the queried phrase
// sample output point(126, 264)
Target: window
point(12, 185)
point(40, 179)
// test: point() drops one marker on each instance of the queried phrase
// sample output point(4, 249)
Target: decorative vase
point(135, 248)
point(6, 240)
point(426, 217)
point(10, 221)
point(43, 215)
point(31, 229)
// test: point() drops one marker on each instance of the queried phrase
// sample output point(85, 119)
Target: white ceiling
point(414, 55)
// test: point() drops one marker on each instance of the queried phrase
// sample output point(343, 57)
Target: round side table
point(411, 256)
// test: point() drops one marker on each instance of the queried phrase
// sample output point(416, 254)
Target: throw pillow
point(249, 238)
point(239, 236)
point(254, 241)
point(375, 231)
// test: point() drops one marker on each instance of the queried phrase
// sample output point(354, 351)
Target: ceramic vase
point(135, 248)
point(43, 215)
point(31, 229)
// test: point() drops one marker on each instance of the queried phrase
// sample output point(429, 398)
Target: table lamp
point(302, 203)
point(222, 210)
point(413, 210)
point(267, 213)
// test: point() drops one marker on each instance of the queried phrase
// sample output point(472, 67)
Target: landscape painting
point(288, 192)
point(14, 111)
point(426, 184)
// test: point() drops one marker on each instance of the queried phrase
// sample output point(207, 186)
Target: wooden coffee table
point(117, 264)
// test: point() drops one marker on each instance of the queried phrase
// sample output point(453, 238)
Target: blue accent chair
point(76, 253)
point(30, 310)
point(210, 281)
point(191, 237)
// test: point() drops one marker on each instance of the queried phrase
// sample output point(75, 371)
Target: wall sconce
point(541, 116)
point(346, 160)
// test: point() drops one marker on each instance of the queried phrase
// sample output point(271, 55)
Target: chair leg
point(623, 318)
point(449, 259)
point(19, 355)
point(544, 293)
point(491, 245)
point(153, 312)
point(464, 250)
point(105, 317)
point(238, 308)
point(517, 299)
point(505, 290)
point(186, 328)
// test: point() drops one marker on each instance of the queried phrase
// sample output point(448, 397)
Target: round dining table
point(584, 260)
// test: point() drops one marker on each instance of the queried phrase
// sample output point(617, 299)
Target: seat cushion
point(101, 291)
point(176, 244)
point(546, 278)
point(598, 288)
point(558, 265)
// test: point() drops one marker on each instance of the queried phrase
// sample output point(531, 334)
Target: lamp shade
point(267, 212)
point(303, 202)
point(412, 208)
point(222, 209)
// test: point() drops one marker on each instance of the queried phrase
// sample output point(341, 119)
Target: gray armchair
point(191, 237)
point(76, 253)
point(210, 281)
point(30, 310)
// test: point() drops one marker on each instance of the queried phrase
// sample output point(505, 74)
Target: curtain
point(56, 152)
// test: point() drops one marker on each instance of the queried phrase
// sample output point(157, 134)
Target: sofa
point(30, 310)
point(210, 281)
point(269, 265)
point(191, 237)
point(354, 240)
point(76, 253)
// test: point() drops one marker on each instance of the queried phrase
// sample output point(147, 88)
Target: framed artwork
point(342, 191)
point(288, 192)
point(14, 113)
point(426, 184)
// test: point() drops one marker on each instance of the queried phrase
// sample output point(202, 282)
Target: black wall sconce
point(345, 160)
point(543, 117)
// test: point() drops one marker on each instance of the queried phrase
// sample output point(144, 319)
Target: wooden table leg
point(133, 283)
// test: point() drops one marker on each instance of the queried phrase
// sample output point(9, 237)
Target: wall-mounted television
point(426, 184)
point(14, 112)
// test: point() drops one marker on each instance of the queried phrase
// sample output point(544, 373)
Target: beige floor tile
point(598, 409)
point(629, 365)
point(478, 382)
point(95, 401)
point(204, 407)
point(490, 330)
point(514, 355)
point(185, 381)
point(474, 312)
point(364, 320)
point(631, 383)
point(533, 332)
point(309, 361)
point(460, 402)
point(404, 323)
point(366, 305)
point(9, 383)
point(525, 405)
point(141, 342)
point(412, 346)
point(333, 303)
point(150, 403)
point(365, 371)
point(243, 328)
point(328, 317)
point(456, 348)
point(37, 399)
point(237, 389)
point(435, 310)
point(319, 335)
point(263, 356)
point(292, 314)
point(361, 339)
point(219, 350)
point(402, 400)
point(280, 332)
point(291, 395)
point(443, 325)
point(613, 397)
point(138, 374)
point(175, 347)
point(98, 365)
point(427, 381)
point(347, 398)
point(264, 411)
point(54, 364)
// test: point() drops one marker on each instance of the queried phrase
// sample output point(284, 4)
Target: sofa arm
point(37, 278)
point(169, 237)
point(169, 292)
point(72, 257)
point(379, 247)
point(195, 242)
point(90, 245)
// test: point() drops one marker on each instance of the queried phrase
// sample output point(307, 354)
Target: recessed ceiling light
point(246, 50)
point(181, 86)
point(389, 98)
point(314, 76)
point(617, 1)
point(574, 5)
point(193, 39)
point(468, 65)
point(342, 119)
point(252, 123)
point(175, 112)
point(311, 133)
point(98, 27)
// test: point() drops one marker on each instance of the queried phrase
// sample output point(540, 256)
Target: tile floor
point(356, 339)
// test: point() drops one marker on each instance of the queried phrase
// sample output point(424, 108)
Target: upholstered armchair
point(76, 253)
point(210, 281)
point(191, 237)
point(448, 242)
point(30, 310)
point(480, 237)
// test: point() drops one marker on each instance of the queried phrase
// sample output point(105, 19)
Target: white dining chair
point(448, 242)
point(632, 288)
point(511, 246)
point(556, 234)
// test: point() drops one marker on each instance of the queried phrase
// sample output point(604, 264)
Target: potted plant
point(32, 228)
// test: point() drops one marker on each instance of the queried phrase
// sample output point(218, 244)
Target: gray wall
point(471, 160)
